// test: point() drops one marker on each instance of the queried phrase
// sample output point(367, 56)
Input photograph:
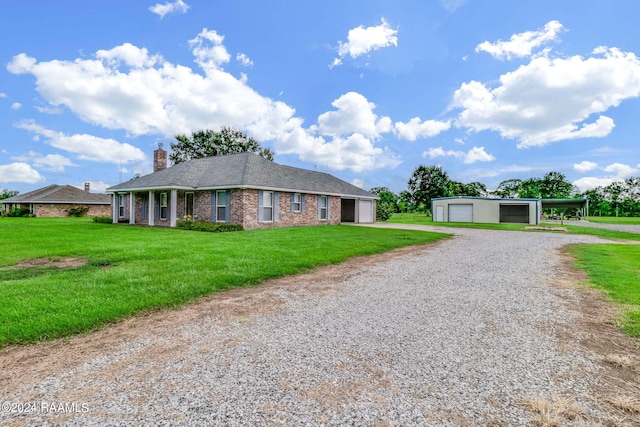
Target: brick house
point(243, 189)
point(54, 201)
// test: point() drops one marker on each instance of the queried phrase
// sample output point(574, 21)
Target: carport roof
point(564, 203)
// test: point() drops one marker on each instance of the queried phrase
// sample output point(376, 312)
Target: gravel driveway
point(470, 331)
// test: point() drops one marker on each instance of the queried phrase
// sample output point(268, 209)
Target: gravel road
point(465, 332)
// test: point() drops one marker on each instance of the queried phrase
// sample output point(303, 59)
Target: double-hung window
point(164, 205)
point(221, 206)
point(323, 208)
point(296, 202)
point(267, 206)
point(122, 199)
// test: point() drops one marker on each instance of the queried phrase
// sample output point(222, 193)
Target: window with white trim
point(296, 202)
point(164, 205)
point(267, 205)
point(122, 200)
point(323, 208)
point(221, 206)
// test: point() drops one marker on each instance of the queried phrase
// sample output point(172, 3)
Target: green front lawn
point(615, 269)
point(615, 220)
point(135, 269)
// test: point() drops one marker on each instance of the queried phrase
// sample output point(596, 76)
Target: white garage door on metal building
point(365, 211)
point(460, 213)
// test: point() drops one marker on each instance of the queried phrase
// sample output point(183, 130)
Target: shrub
point(102, 219)
point(77, 211)
point(188, 224)
point(19, 213)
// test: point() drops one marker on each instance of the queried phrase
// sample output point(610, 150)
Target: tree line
point(426, 182)
point(429, 182)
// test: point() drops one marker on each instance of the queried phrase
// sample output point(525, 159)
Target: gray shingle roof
point(60, 194)
point(245, 170)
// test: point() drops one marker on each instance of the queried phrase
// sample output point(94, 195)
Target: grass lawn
point(616, 270)
point(135, 269)
point(422, 219)
point(615, 220)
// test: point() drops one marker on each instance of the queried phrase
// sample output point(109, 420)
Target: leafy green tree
point(5, 194)
point(597, 202)
point(209, 143)
point(427, 183)
point(554, 185)
point(387, 204)
point(530, 188)
point(474, 189)
point(509, 189)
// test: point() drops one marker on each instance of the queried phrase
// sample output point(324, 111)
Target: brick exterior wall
point(59, 210)
point(243, 205)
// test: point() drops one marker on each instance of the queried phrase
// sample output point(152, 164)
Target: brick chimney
point(87, 187)
point(159, 158)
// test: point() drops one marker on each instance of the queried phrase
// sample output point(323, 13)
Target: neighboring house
point(243, 189)
point(56, 200)
point(479, 209)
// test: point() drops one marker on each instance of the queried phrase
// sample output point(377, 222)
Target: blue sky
point(365, 90)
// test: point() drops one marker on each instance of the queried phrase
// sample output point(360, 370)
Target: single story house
point(486, 210)
point(55, 201)
point(243, 189)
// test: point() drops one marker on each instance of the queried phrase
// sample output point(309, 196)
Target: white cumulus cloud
point(16, 106)
point(354, 114)
point(617, 172)
point(162, 9)
point(476, 154)
point(585, 166)
point(86, 147)
point(52, 162)
point(127, 88)
point(244, 60)
point(19, 172)
point(361, 41)
point(551, 100)
point(523, 44)
point(416, 128)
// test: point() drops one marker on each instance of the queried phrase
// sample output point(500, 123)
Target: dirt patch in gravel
point(546, 228)
point(47, 262)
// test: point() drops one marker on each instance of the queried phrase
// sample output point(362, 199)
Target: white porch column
point(115, 208)
point(174, 207)
point(152, 210)
point(132, 208)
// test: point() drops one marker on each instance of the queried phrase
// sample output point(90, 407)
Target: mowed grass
point(615, 269)
point(615, 220)
point(422, 219)
point(132, 270)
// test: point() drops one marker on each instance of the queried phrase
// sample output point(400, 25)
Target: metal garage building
point(480, 209)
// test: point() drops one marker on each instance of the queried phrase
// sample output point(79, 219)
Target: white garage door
point(365, 211)
point(460, 213)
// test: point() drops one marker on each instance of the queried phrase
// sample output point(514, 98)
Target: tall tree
point(427, 183)
point(530, 188)
point(509, 189)
point(554, 185)
point(209, 143)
